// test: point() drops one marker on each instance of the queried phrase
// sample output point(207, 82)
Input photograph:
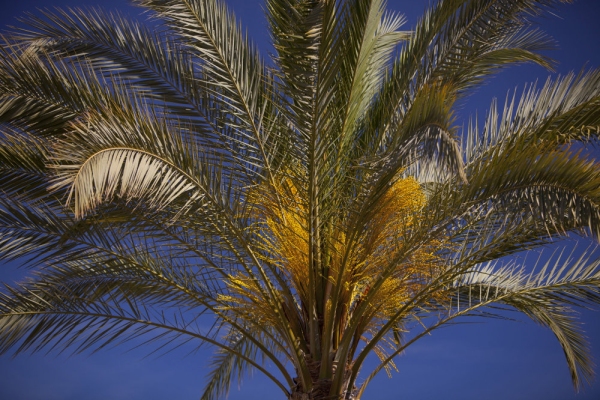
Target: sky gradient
point(485, 360)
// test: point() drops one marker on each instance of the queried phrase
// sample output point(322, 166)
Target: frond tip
point(298, 215)
point(546, 296)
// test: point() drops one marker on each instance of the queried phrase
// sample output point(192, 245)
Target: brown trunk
point(320, 390)
point(320, 387)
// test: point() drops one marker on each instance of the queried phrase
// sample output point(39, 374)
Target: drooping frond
point(228, 366)
point(298, 215)
point(546, 296)
point(156, 163)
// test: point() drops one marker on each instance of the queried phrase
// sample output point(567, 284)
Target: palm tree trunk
point(320, 391)
point(321, 387)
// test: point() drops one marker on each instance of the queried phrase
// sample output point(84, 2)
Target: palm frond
point(228, 365)
point(155, 164)
point(232, 68)
point(130, 53)
point(563, 111)
point(544, 294)
point(546, 297)
point(169, 186)
point(123, 296)
point(23, 164)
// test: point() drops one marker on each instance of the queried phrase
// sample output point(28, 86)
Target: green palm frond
point(44, 95)
point(471, 39)
point(231, 66)
point(124, 294)
point(228, 365)
point(23, 164)
point(545, 294)
point(131, 53)
point(561, 112)
point(546, 297)
point(168, 186)
point(225, 365)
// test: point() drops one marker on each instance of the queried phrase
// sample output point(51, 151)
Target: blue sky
point(489, 360)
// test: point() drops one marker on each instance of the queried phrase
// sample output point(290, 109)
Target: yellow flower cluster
point(383, 248)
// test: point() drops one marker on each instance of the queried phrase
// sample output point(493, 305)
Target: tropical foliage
point(301, 212)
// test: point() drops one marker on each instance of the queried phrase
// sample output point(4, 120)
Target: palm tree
point(302, 213)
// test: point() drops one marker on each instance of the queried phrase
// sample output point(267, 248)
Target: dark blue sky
point(489, 360)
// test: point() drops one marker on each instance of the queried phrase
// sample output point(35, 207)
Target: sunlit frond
point(546, 296)
point(167, 186)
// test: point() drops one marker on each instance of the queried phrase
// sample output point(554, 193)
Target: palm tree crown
point(302, 212)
